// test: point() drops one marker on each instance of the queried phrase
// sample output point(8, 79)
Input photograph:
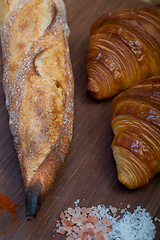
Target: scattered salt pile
point(101, 223)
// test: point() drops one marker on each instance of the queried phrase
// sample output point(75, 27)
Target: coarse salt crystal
point(89, 225)
point(106, 221)
point(76, 220)
point(76, 202)
point(58, 224)
point(97, 223)
point(71, 211)
point(113, 209)
point(62, 216)
point(156, 219)
point(75, 229)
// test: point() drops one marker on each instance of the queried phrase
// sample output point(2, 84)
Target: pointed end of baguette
point(31, 205)
point(29, 217)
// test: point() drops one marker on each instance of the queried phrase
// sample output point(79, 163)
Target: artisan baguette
point(39, 89)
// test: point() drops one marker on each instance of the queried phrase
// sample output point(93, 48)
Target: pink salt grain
point(84, 217)
point(75, 229)
point(107, 229)
point(89, 225)
point(99, 236)
point(67, 215)
point(88, 210)
point(58, 224)
point(91, 218)
point(65, 222)
point(67, 228)
point(71, 211)
point(61, 231)
point(98, 229)
point(113, 209)
point(76, 214)
point(96, 210)
point(80, 234)
point(83, 209)
point(106, 221)
point(90, 232)
point(69, 238)
point(75, 220)
point(62, 216)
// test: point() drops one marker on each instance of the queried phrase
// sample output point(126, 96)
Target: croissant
point(136, 126)
point(39, 90)
point(124, 48)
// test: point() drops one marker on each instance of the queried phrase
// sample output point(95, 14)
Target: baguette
point(39, 89)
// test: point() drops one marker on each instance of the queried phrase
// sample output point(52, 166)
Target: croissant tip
point(93, 89)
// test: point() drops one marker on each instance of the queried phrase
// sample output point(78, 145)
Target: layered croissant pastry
point(39, 89)
point(136, 126)
point(124, 47)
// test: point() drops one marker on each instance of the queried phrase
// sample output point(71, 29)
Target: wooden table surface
point(89, 171)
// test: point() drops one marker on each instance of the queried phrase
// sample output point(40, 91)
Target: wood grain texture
point(89, 171)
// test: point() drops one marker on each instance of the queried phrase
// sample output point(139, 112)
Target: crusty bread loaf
point(39, 89)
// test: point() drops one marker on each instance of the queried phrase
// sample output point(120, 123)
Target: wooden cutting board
point(89, 171)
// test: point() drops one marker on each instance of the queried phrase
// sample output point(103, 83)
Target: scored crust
point(39, 89)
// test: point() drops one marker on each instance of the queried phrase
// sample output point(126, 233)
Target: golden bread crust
point(39, 88)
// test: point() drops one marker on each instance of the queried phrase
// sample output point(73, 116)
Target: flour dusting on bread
point(39, 89)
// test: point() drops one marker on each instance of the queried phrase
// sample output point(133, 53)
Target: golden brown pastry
point(136, 126)
point(39, 89)
point(124, 47)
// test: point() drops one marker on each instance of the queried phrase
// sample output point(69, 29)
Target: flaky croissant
point(39, 89)
point(136, 126)
point(124, 47)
